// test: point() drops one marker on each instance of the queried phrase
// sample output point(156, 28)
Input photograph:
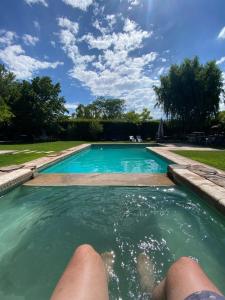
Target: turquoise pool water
point(111, 159)
point(41, 227)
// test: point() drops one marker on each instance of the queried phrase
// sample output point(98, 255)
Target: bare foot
point(108, 259)
point(145, 271)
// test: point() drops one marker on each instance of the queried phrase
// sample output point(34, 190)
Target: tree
point(101, 108)
point(145, 115)
point(39, 106)
point(134, 117)
point(7, 90)
point(190, 92)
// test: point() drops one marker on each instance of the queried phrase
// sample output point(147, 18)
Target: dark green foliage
point(110, 130)
point(191, 93)
point(7, 90)
point(39, 106)
point(29, 108)
point(107, 109)
point(95, 130)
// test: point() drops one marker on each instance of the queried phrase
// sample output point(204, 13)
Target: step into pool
point(41, 226)
point(112, 159)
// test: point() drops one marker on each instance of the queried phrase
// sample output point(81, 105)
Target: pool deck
point(206, 181)
point(101, 180)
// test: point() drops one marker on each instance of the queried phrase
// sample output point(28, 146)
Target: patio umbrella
point(160, 131)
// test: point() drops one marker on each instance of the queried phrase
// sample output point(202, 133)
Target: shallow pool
point(41, 227)
point(112, 159)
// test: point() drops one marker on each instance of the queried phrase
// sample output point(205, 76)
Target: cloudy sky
point(116, 48)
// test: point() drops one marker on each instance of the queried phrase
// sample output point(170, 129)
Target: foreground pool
point(112, 159)
point(40, 228)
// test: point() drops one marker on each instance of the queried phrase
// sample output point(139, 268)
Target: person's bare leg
point(184, 278)
point(145, 271)
point(84, 278)
point(108, 259)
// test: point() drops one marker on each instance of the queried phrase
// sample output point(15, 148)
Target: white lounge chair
point(132, 139)
point(139, 139)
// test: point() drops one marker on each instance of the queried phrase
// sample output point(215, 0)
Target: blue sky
point(112, 48)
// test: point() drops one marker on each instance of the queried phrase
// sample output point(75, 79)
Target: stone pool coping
point(180, 172)
point(105, 179)
point(27, 171)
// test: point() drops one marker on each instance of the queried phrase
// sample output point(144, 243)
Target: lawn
point(20, 158)
point(211, 158)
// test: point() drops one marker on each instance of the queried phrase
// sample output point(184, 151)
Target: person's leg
point(84, 278)
point(145, 273)
point(184, 278)
point(108, 259)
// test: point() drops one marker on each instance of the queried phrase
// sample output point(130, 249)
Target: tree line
point(190, 94)
point(110, 109)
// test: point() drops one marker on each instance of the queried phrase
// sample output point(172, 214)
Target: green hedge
point(111, 130)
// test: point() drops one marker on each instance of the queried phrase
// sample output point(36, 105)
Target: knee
point(183, 264)
point(186, 261)
point(85, 252)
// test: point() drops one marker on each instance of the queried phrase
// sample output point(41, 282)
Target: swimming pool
point(40, 228)
point(111, 159)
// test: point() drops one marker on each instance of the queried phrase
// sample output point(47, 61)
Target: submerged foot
point(145, 271)
point(108, 259)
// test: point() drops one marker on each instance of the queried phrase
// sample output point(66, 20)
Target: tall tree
point(38, 107)
point(190, 92)
point(7, 91)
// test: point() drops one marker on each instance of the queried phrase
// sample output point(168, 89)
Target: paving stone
point(11, 168)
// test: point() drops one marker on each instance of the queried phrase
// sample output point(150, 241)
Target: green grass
point(47, 146)
point(20, 158)
point(212, 158)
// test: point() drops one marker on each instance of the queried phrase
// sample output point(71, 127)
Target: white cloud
point(30, 40)
point(221, 60)
point(130, 39)
point(81, 4)
point(24, 66)
point(129, 26)
point(31, 2)
point(114, 72)
point(53, 43)
point(110, 21)
point(68, 39)
point(71, 106)
point(221, 35)
point(7, 37)
point(134, 2)
point(37, 25)
point(73, 27)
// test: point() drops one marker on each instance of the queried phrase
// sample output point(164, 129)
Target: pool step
point(100, 180)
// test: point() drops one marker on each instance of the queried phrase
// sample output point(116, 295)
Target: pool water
point(41, 226)
point(112, 159)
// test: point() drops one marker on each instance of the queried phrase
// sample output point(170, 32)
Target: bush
point(106, 130)
point(95, 130)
